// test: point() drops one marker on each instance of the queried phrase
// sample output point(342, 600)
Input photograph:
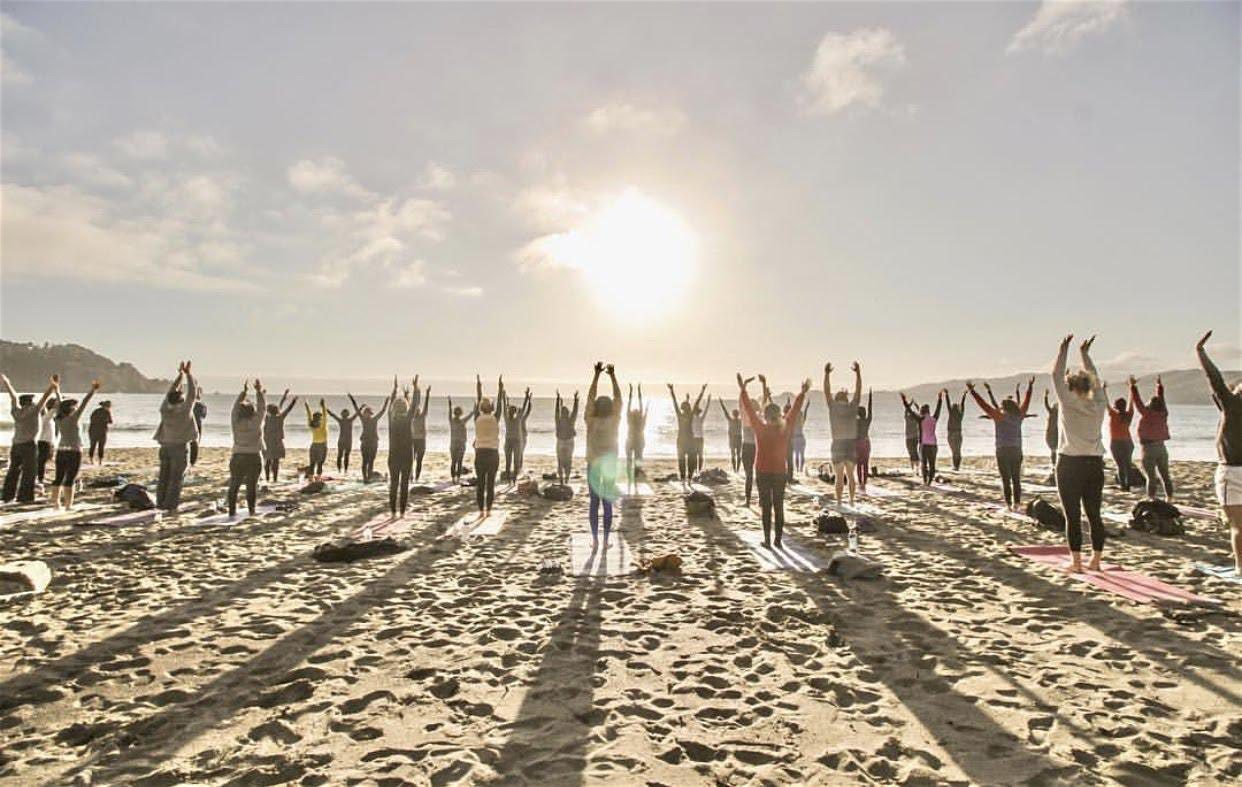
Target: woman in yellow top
point(318, 423)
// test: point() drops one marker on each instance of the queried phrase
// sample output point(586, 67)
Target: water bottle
point(853, 536)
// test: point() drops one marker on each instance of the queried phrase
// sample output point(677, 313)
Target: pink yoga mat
point(1130, 584)
point(380, 525)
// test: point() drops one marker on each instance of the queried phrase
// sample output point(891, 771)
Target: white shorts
point(1229, 485)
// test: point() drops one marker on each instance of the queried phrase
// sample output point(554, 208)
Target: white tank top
point(487, 432)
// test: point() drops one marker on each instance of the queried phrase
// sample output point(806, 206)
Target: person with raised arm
point(697, 421)
point(19, 479)
point(748, 438)
point(1120, 444)
point(734, 420)
point(1007, 420)
point(635, 436)
point(200, 415)
point(274, 436)
point(685, 412)
point(523, 432)
point(418, 430)
point(246, 421)
point(512, 416)
point(797, 442)
point(487, 417)
point(928, 442)
point(1228, 447)
point(45, 447)
point(317, 422)
point(174, 434)
point(957, 412)
point(772, 433)
point(368, 443)
point(912, 422)
point(1080, 463)
point(862, 451)
point(602, 415)
point(457, 439)
point(1153, 434)
point(344, 437)
point(1052, 431)
point(400, 447)
point(843, 423)
point(69, 451)
point(565, 433)
point(97, 431)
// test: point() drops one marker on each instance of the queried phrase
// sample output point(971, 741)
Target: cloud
point(437, 178)
point(14, 33)
point(90, 169)
point(844, 71)
point(61, 232)
point(12, 74)
point(626, 117)
point(381, 237)
point(144, 145)
point(1059, 25)
point(203, 145)
point(464, 292)
point(325, 176)
point(551, 206)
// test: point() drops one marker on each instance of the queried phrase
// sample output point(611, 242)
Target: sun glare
point(635, 254)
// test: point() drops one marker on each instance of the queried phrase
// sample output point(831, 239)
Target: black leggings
point(194, 452)
point(748, 465)
point(486, 463)
point(369, 450)
point(318, 455)
point(243, 469)
point(342, 456)
point(1080, 483)
point(685, 458)
point(955, 448)
point(271, 469)
point(457, 455)
point(1009, 462)
point(1156, 461)
point(513, 461)
point(399, 464)
point(97, 446)
point(927, 461)
point(1123, 457)
point(772, 504)
point(44, 454)
point(68, 463)
point(735, 452)
point(420, 448)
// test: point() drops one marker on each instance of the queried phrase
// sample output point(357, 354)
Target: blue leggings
point(595, 501)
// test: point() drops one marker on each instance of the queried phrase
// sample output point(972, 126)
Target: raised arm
point(1215, 379)
point(288, 408)
point(1026, 400)
point(8, 386)
point(86, 399)
point(991, 399)
point(335, 417)
point(827, 383)
point(871, 408)
point(241, 397)
point(699, 400)
point(1089, 365)
point(426, 401)
point(673, 395)
point(478, 390)
point(1058, 370)
point(724, 409)
point(260, 399)
point(640, 398)
point(191, 386)
point(795, 410)
point(306, 405)
point(352, 401)
point(991, 411)
point(1047, 404)
point(707, 405)
point(616, 387)
point(748, 407)
point(573, 415)
point(767, 392)
point(940, 397)
point(909, 407)
point(857, 384)
point(589, 410)
point(1136, 400)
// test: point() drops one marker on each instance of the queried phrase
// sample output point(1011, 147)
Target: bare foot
point(766, 545)
point(1094, 565)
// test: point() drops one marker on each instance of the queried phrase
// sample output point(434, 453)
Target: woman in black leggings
point(1007, 418)
point(486, 445)
point(400, 451)
point(1080, 463)
point(369, 442)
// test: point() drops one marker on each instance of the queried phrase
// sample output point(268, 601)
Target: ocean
point(135, 417)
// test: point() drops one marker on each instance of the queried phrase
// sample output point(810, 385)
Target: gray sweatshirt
point(177, 425)
point(248, 432)
point(25, 423)
point(70, 434)
point(1081, 417)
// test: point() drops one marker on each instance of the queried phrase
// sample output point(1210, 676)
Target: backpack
point(312, 488)
point(349, 551)
point(712, 477)
point(528, 487)
point(1047, 515)
point(700, 504)
point(106, 483)
point(557, 492)
point(831, 524)
point(1158, 517)
point(135, 496)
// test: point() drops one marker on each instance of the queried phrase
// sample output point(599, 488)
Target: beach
point(179, 653)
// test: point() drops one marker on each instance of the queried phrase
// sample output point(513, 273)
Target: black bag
point(1047, 515)
point(135, 496)
point(557, 492)
point(712, 477)
point(313, 487)
point(700, 503)
point(349, 551)
point(107, 483)
point(831, 524)
point(422, 489)
point(1158, 517)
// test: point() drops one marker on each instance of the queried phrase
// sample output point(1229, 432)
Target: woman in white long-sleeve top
point(1080, 463)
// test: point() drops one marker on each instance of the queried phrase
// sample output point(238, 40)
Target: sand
point(170, 653)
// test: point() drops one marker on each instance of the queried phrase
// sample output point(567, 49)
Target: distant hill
point(1181, 386)
point(29, 365)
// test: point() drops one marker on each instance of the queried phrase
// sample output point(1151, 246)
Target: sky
point(350, 190)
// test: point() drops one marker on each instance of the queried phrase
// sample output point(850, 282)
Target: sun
point(636, 256)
